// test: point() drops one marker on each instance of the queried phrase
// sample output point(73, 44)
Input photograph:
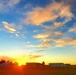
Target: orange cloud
point(34, 56)
point(41, 36)
point(46, 43)
point(57, 25)
point(65, 42)
point(58, 33)
point(59, 42)
point(51, 12)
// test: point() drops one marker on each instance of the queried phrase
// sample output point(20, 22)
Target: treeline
point(4, 61)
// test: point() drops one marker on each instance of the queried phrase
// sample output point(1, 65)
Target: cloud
point(46, 43)
point(13, 2)
point(32, 46)
point(72, 29)
point(19, 27)
point(9, 27)
point(59, 14)
point(28, 42)
point(40, 50)
point(40, 15)
point(58, 33)
point(6, 4)
point(41, 46)
point(41, 36)
point(64, 42)
point(1, 29)
point(35, 31)
point(53, 43)
point(12, 28)
point(69, 2)
point(34, 56)
point(23, 35)
point(57, 24)
point(17, 35)
point(58, 42)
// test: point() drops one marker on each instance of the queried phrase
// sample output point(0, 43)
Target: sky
point(38, 30)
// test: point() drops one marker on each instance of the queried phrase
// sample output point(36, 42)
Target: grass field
point(16, 70)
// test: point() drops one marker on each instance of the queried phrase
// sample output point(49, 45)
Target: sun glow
point(21, 60)
point(19, 64)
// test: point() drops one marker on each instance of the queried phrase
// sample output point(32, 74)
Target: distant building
point(43, 63)
point(73, 65)
point(57, 65)
point(33, 64)
point(67, 65)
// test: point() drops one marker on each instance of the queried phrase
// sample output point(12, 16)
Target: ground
point(24, 70)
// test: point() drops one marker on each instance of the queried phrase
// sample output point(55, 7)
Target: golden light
point(19, 64)
point(21, 61)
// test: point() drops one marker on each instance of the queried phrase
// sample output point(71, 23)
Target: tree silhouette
point(2, 61)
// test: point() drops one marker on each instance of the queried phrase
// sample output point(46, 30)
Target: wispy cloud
point(46, 43)
point(6, 4)
point(1, 29)
point(57, 24)
point(35, 31)
point(62, 42)
point(73, 29)
point(40, 15)
point(17, 35)
point(65, 42)
point(41, 36)
point(12, 28)
point(28, 42)
point(58, 33)
point(13, 2)
point(35, 56)
point(41, 46)
point(9, 27)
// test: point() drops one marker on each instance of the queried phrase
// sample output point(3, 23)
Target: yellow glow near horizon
point(19, 64)
point(21, 60)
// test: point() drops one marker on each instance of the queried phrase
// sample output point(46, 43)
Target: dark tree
point(2, 61)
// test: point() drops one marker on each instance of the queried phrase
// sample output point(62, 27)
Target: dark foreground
point(16, 70)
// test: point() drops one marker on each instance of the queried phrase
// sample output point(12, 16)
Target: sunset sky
point(38, 30)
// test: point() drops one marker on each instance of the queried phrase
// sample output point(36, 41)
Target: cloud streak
point(12, 28)
point(72, 29)
point(6, 4)
point(40, 15)
point(9, 27)
point(35, 56)
point(62, 42)
point(41, 36)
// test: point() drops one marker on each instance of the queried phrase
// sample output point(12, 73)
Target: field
point(23, 70)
